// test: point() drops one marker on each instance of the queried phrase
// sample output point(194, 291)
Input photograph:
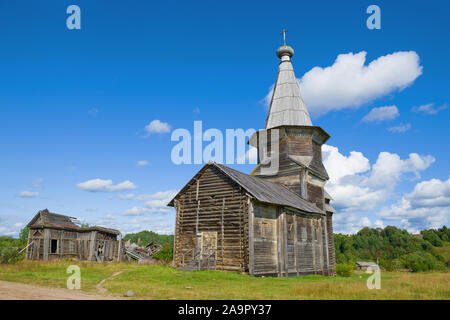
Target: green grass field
point(163, 282)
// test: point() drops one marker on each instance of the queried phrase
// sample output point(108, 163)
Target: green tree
point(23, 235)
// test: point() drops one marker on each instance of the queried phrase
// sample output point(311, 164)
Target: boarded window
point(265, 230)
point(290, 230)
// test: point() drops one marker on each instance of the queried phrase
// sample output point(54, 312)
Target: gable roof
point(261, 189)
point(47, 219)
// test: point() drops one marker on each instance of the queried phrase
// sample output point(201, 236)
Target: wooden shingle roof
point(261, 189)
point(47, 219)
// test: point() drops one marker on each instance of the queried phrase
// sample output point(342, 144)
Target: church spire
point(286, 107)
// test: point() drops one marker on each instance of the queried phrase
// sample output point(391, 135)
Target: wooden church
point(269, 223)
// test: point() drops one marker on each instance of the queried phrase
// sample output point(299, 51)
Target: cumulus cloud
point(415, 218)
point(352, 223)
point(156, 126)
point(429, 108)
point(356, 186)
point(389, 167)
point(401, 128)
point(125, 196)
point(27, 194)
point(143, 163)
point(100, 185)
point(350, 83)
point(154, 203)
point(160, 195)
point(381, 114)
point(250, 157)
point(360, 188)
point(431, 193)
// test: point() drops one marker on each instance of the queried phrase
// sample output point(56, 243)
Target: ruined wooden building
point(54, 236)
point(276, 221)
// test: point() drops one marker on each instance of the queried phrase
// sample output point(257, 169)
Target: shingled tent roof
point(260, 189)
point(47, 219)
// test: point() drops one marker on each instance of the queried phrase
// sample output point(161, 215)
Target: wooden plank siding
point(71, 244)
point(214, 204)
point(288, 243)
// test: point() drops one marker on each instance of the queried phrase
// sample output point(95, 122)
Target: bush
point(344, 270)
point(10, 255)
point(165, 254)
point(422, 261)
point(391, 265)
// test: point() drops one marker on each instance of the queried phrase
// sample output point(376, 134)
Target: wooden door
point(208, 242)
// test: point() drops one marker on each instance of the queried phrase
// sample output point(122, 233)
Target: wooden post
point(27, 255)
point(223, 231)
point(285, 246)
point(324, 223)
point(46, 244)
point(119, 248)
point(295, 245)
point(174, 251)
point(196, 220)
point(92, 245)
point(251, 234)
point(279, 243)
point(313, 244)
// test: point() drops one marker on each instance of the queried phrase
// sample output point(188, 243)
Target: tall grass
point(158, 281)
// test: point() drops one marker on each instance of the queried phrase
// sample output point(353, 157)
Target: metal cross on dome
point(284, 35)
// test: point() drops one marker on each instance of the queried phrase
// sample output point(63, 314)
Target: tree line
point(394, 248)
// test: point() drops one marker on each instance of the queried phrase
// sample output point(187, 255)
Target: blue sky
point(75, 103)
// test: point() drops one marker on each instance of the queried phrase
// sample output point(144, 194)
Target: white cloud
point(350, 83)
point(431, 193)
point(27, 194)
point(381, 114)
point(359, 188)
point(156, 126)
point(356, 186)
point(250, 157)
point(99, 185)
point(401, 128)
point(429, 108)
point(142, 163)
point(389, 167)
point(93, 111)
point(160, 195)
point(37, 183)
point(125, 196)
point(154, 203)
point(339, 165)
point(415, 218)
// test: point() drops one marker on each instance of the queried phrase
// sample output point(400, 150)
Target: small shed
point(55, 236)
point(363, 266)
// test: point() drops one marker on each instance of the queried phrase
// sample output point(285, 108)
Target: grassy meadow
point(159, 281)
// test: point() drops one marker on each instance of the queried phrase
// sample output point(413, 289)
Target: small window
point(290, 231)
point(54, 246)
point(264, 230)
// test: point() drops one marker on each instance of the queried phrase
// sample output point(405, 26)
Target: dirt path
point(99, 286)
point(19, 291)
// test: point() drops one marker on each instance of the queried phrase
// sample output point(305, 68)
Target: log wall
point(213, 203)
